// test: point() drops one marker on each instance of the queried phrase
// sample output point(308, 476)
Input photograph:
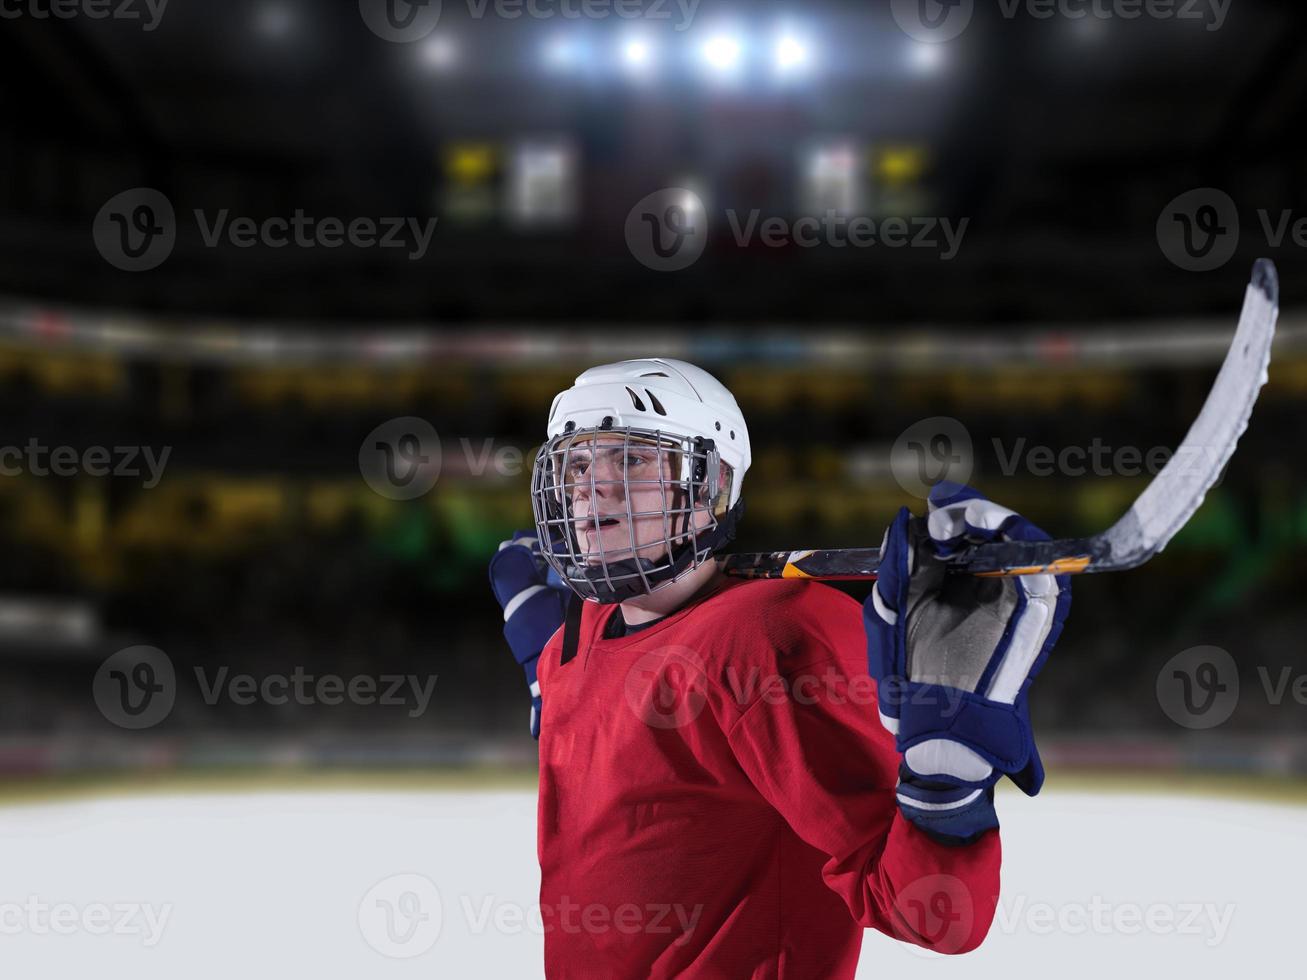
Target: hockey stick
point(1153, 519)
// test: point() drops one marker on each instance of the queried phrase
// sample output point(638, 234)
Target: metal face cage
point(618, 509)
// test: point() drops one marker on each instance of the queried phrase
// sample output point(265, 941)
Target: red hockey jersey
point(717, 799)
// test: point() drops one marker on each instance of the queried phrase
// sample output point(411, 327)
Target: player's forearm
point(924, 892)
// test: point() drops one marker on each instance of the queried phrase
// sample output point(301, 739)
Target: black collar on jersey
point(618, 628)
point(571, 628)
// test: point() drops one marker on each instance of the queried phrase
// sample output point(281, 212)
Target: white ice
point(323, 885)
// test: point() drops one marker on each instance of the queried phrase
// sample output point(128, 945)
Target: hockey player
point(737, 776)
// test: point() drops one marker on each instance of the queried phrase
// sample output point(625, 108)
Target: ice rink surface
point(342, 884)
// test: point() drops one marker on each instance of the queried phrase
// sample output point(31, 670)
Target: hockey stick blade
point(1155, 517)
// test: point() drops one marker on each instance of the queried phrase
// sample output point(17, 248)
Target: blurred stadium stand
point(1060, 322)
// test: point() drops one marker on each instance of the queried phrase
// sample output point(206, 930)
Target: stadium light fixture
point(637, 55)
point(562, 53)
point(636, 52)
point(439, 52)
point(927, 58)
point(722, 53)
point(791, 55)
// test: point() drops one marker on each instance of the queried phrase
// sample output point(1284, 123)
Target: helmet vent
point(635, 400)
point(657, 405)
point(654, 374)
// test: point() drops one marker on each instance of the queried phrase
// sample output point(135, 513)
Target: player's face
point(610, 478)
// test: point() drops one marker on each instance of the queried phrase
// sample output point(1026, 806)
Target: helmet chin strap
point(606, 591)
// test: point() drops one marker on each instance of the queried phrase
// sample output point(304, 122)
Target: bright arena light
point(927, 57)
point(637, 54)
point(791, 54)
point(722, 53)
point(562, 52)
point(439, 52)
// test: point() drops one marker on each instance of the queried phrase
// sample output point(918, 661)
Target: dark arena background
point(244, 243)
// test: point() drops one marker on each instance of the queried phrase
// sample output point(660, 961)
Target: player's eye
point(576, 466)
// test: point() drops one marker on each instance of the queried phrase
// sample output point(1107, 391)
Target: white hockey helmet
point(693, 422)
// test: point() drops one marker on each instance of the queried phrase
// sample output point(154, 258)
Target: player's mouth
point(591, 533)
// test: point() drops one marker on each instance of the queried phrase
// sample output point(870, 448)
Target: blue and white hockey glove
point(534, 600)
point(954, 657)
